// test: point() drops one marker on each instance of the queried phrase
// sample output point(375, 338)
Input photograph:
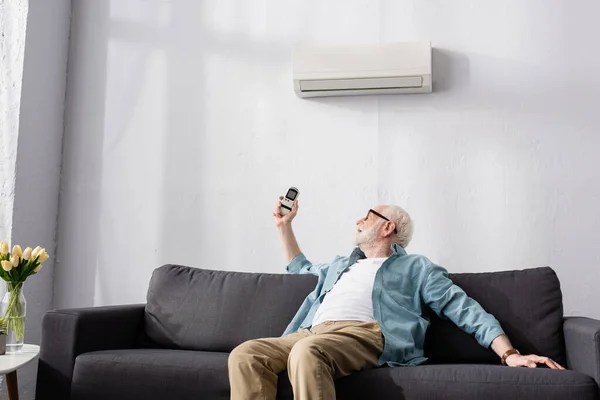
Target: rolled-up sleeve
point(450, 301)
point(300, 265)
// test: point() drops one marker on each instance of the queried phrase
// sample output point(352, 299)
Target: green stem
point(15, 320)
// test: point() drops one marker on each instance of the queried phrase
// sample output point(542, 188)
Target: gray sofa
point(176, 345)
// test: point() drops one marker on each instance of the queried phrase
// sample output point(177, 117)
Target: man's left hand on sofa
point(501, 346)
point(531, 361)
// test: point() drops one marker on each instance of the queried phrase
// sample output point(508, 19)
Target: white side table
point(10, 363)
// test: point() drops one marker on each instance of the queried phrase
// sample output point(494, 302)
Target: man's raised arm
point(284, 224)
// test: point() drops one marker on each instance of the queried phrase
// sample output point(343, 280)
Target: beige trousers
point(313, 359)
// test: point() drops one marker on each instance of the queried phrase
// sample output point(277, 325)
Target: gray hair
point(403, 222)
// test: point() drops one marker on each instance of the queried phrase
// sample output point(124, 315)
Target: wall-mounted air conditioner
point(379, 69)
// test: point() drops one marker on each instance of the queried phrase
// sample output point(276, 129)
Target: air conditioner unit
point(347, 71)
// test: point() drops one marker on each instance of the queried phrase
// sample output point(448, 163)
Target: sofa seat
point(467, 381)
point(150, 374)
point(180, 374)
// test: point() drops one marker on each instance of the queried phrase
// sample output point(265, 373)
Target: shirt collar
point(358, 254)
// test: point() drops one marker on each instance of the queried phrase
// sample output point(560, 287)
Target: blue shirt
point(404, 285)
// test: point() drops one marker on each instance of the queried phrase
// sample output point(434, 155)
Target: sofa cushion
point(150, 374)
point(197, 309)
point(466, 382)
point(527, 303)
point(177, 374)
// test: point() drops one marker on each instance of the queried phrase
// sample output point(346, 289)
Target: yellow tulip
point(36, 251)
point(3, 247)
point(37, 268)
point(43, 257)
point(6, 265)
point(15, 261)
point(17, 251)
point(27, 254)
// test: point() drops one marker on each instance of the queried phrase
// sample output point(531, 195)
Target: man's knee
point(243, 352)
point(305, 352)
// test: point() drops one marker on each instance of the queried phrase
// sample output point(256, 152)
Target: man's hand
point(531, 361)
point(501, 345)
point(281, 220)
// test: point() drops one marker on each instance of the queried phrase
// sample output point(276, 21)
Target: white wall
point(183, 128)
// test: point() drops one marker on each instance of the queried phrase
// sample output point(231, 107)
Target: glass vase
point(13, 308)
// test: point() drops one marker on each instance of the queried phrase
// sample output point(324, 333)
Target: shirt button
point(338, 272)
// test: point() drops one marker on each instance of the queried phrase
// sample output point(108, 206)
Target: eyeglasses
point(380, 216)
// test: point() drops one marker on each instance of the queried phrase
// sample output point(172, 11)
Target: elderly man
point(366, 311)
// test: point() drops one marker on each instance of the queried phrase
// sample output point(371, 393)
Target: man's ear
point(392, 225)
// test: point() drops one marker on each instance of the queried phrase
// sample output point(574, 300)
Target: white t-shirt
point(350, 299)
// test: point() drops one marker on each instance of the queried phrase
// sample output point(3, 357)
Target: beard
point(367, 236)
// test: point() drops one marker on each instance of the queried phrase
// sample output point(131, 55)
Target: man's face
point(367, 228)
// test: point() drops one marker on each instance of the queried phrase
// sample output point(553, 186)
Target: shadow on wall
point(450, 70)
point(468, 81)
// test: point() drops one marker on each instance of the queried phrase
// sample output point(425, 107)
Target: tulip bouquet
point(17, 266)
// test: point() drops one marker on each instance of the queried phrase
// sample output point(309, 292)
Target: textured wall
point(13, 22)
point(183, 128)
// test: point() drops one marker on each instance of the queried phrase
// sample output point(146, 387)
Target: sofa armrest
point(582, 340)
point(70, 332)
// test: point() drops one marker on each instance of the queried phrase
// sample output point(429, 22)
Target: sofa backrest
point(528, 305)
point(198, 309)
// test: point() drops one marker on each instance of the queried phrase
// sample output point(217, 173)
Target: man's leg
point(255, 364)
point(335, 349)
